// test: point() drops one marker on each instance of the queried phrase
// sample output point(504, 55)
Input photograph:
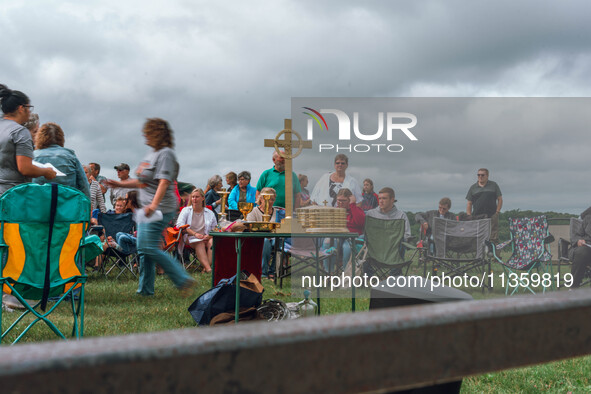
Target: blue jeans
point(149, 237)
point(268, 257)
point(127, 242)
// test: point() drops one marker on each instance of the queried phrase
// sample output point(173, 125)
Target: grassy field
point(113, 308)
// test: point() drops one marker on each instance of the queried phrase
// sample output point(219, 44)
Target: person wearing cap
point(386, 209)
point(122, 174)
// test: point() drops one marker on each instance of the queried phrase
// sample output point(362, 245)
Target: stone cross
point(288, 145)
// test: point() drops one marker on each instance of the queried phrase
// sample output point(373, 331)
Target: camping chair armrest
point(493, 248)
point(545, 242)
point(183, 227)
point(92, 247)
point(361, 256)
point(502, 245)
point(563, 246)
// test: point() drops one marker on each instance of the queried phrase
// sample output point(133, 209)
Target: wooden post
point(288, 145)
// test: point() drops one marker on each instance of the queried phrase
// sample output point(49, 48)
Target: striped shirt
point(96, 197)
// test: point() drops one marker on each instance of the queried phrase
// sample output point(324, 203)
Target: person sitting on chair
point(131, 203)
point(355, 223)
point(305, 194)
point(581, 252)
point(212, 198)
point(126, 243)
point(243, 193)
point(387, 210)
point(49, 141)
point(119, 206)
point(256, 215)
point(201, 221)
point(369, 197)
point(425, 219)
point(231, 180)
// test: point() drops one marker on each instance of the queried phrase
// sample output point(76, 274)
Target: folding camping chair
point(112, 258)
point(303, 254)
point(529, 252)
point(565, 250)
point(171, 244)
point(456, 248)
point(42, 231)
point(383, 253)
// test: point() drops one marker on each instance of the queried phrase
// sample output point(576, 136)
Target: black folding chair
point(458, 247)
point(383, 253)
point(113, 259)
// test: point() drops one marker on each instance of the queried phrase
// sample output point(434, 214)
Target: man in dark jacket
point(425, 219)
point(581, 253)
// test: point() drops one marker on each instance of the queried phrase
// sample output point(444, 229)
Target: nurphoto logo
point(394, 124)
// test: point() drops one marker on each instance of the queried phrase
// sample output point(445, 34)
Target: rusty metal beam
point(371, 351)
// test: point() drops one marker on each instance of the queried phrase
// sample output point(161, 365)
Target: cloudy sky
point(224, 75)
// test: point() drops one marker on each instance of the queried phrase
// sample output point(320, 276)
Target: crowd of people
point(153, 187)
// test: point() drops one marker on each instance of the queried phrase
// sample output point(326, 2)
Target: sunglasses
point(481, 175)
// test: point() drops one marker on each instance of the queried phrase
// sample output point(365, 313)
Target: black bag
point(222, 298)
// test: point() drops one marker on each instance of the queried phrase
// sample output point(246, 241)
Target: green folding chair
point(42, 230)
point(383, 254)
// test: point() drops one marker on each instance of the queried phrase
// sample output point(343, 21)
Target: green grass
point(113, 308)
point(573, 375)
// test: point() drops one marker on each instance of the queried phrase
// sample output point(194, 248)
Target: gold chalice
point(224, 195)
point(245, 208)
